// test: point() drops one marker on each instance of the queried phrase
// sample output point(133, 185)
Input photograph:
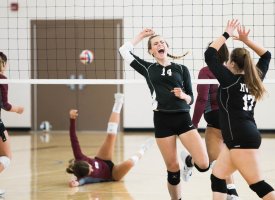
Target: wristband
point(225, 35)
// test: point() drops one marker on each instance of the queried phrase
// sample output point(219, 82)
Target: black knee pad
point(202, 170)
point(218, 185)
point(261, 188)
point(173, 177)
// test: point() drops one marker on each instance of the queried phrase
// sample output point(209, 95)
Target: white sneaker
point(147, 144)
point(2, 192)
point(186, 172)
point(119, 97)
point(232, 197)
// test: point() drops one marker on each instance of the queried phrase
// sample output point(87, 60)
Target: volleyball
point(86, 57)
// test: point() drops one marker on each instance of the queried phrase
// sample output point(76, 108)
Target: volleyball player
point(5, 149)
point(206, 104)
point(240, 87)
point(171, 91)
point(101, 168)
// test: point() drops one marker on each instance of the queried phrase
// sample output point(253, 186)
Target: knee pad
point(112, 128)
point(173, 177)
point(202, 170)
point(5, 161)
point(218, 185)
point(261, 188)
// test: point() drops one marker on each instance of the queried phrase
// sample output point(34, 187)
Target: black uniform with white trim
point(236, 104)
point(161, 81)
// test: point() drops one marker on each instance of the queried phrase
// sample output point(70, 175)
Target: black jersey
point(235, 101)
point(161, 81)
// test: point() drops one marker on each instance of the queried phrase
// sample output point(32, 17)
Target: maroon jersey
point(207, 96)
point(4, 96)
point(101, 171)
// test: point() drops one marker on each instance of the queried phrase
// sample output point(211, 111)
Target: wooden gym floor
point(37, 171)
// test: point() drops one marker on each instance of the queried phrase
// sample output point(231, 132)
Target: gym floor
point(37, 171)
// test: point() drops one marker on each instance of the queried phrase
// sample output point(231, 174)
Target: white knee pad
point(5, 161)
point(112, 128)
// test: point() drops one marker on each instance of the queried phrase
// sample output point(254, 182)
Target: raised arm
point(223, 75)
point(147, 32)
point(128, 46)
point(263, 63)
point(243, 36)
point(78, 155)
point(126, 51)
point(231, 26)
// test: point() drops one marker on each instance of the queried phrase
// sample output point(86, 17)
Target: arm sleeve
point(223, 75)
point(203, 90)
point(88, 179)
point(125, 50)
point(134, 61)
point(188, 84)
point(4, 97)
point(78, 155)
point(263, 63)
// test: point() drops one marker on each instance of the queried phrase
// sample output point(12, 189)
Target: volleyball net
point(43, 39)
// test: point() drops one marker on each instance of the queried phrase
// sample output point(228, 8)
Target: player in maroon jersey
point(101, 168)
point(5, 149)
point(207, 105)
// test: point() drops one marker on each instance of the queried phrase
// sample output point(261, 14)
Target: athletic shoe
point(119, 97)
point(232, 197)
point(232, 192)
point(147, 144)
point(186, 172)
point(2, 192)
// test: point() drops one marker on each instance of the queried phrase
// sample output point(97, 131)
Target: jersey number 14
point(169, 72)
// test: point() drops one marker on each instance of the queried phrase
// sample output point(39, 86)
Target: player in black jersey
point(240, 87)
point(171, 91)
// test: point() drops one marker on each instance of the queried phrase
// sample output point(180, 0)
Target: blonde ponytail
point(177, 57)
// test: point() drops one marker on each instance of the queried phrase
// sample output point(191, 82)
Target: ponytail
point(252, 74)
point(177, 57)
point(2, 65)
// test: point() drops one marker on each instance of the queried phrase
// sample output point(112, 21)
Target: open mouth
point(161, 51)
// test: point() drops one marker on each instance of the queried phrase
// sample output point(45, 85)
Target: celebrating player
point(5, 149)
point(240, 87)
point(171, 91)
point(206, 104)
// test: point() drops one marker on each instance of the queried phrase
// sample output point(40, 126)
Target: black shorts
point(212, 119)
point(108, 162)
point(2, 131)
point(168, 124)
point(245, 136)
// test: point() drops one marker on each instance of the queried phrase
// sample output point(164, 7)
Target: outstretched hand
point(243, 34)
point(231, 26)
point(73, 114)
point(19, 109)
point(73, 183)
